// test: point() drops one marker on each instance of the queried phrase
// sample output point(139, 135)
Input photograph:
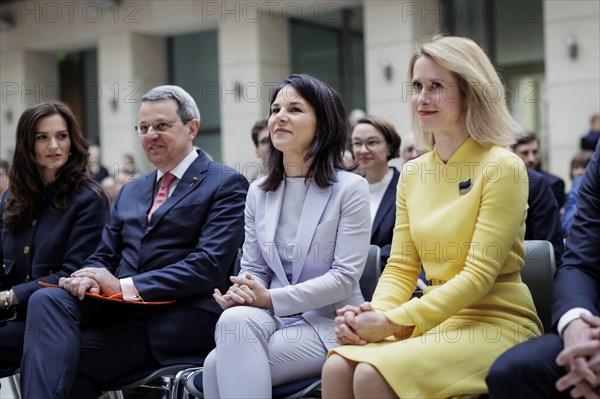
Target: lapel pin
point(194, 179)
point(464, 186)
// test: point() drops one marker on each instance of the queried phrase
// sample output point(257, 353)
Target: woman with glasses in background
point(374, 142)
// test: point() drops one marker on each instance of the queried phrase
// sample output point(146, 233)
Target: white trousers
point(256, 351)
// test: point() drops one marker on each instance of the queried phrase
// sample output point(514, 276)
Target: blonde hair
point(488, 120)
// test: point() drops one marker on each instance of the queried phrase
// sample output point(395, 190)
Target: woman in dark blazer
point(374, 142)
point(52, 216)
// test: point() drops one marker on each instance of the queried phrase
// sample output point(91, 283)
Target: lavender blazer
point(331, 246)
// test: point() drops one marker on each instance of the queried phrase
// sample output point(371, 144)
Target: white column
point(253, 55)
point(391, 30)
point(27, 78)
point(128, 66)
point(572, 84)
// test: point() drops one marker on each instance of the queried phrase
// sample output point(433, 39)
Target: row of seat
point(181, 381)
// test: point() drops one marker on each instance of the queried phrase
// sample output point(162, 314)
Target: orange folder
point(113, 298)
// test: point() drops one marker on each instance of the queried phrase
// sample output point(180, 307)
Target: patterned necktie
point(163, 193)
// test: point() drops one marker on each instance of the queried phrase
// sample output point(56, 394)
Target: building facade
point(100, 56)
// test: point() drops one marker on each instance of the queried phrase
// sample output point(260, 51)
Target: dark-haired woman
point(374, 142)
point(52, 216)
point(307, 236)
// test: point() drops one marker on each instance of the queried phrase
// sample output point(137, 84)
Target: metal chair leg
point(14, 381)
point(116, 395)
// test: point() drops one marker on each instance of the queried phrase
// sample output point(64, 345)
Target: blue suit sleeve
point(92, 212)
point(577, 280)
point(543, 217)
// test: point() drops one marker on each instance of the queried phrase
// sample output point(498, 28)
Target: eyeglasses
point(412, 148)
point(264, 141)
point(370, 144)
point(160, 127)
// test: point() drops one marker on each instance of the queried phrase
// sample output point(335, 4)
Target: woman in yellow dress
point(467, 200)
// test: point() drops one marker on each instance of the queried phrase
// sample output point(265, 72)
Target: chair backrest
point(235, 268)
point(370, 276)
point(538, 274)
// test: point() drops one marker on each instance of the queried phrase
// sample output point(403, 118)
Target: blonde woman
point(468, 197)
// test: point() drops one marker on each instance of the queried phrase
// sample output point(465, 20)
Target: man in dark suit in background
point(567, 358)
point(527, 148)
point(543, 216)
point(176, 242)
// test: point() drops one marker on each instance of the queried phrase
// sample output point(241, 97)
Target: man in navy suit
point(543, 217)
point(527, 148)
point(566, 360)
point(180, 251)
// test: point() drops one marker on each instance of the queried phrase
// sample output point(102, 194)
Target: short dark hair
point(257, 128)
point(387, 129)
point(526, 138)
point(331, 135)
point(581, 160)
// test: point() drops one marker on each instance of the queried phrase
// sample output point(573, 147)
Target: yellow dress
point(464, 220)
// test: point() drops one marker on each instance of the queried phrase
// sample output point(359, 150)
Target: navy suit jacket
point(577, 280)
point(558, 187)
point(184, 253)
point(55, 245)
point(543, 217)
point(385, 219)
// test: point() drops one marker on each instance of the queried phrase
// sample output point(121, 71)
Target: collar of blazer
point(388, 202)
point(314, 205)
point(191, 179)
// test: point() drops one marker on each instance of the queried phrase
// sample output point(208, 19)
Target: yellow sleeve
point(399, 278)
point(500, 218)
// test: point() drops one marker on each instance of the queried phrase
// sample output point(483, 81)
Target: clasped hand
point(90, 279)
point(581, 358)
point(361, 325)
point(244, 291)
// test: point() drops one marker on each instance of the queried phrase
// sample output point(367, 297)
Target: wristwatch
point(7, 301)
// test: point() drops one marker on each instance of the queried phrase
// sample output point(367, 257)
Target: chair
point(538, 274)
point(302, 388)
point(164, 378)
point(13, 377)
point(167, 378)
point(372, 272)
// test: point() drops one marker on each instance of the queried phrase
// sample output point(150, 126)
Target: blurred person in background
point(409, 150)
point(590, 140)
point(579, 164)
point(374, 141)
point(260, 138)
point(527, 147)
point(95, 168)
point(3, 176)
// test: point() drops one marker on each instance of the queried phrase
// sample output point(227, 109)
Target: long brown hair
point(25, 183)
